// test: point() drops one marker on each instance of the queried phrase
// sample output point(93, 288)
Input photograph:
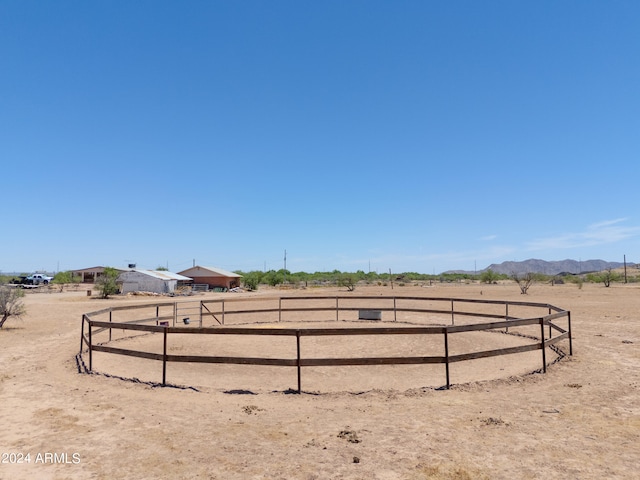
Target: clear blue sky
point(412, 135)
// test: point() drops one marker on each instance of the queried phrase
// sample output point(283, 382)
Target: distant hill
point(551, 268)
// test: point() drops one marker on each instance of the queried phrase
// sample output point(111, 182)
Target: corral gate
point(189, 312)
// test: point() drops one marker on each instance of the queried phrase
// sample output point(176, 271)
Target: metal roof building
point(89, 275)
point(213, 277)
point(156, 281)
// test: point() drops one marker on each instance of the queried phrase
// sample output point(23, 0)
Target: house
point(155, 281)
point(213, 277)
point(89, 275)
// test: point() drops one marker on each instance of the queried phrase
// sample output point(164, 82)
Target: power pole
point(625, 268)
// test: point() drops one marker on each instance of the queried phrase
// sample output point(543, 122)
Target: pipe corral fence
point(550, 326)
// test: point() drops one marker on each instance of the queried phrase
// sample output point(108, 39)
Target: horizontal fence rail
point(167, 324)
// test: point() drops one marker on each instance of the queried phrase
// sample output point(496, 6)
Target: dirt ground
point(498, 421)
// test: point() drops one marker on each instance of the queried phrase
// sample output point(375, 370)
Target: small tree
point(10, 304)
point(107, 283)
point(605, 277)
point(347, 280)
point(524, 281)
point(65, 277)
point(251, 280)
point(489, 276)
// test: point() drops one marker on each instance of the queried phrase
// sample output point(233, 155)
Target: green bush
point(251, 280)
point(65, 277)
point(347, 280)
point(107, 283)
point(489, 276)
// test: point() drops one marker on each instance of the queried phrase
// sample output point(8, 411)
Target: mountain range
point(534, 265)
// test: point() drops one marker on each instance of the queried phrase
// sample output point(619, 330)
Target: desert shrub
point(347, 280)
point(107, 283)
point(65, 277)
point(489, 276)
point(10, 303)
point(251, 280)
point(524, 281)
point(606, 277)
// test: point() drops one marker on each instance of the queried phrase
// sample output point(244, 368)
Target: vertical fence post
point(506, 315)
point(279, 309)
point(544, 354)
point(550, 332)
point(82, 334)
point(175, 313)
point(337, 309)
point(452, 320)
point(200, 313)
point(164, 357)
point(395, 312)
point(298, 361)
point(446, 355)
point(90, 348)
point(110, 319)
point(569, 329)
point(223, 312)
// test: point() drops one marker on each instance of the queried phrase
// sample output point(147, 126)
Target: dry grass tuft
point(449, 472)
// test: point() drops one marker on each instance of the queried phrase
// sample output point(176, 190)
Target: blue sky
point(407, 135)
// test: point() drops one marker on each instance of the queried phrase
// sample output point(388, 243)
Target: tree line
point(253, 279)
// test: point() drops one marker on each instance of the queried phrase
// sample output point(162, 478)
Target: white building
point(156, 281)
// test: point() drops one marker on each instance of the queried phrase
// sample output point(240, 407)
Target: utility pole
point(625, 268)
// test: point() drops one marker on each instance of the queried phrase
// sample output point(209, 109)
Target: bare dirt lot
point(579, 420)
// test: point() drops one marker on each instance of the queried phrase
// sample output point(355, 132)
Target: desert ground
point(505, 420)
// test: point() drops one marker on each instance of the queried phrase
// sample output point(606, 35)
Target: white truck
point(38, 279)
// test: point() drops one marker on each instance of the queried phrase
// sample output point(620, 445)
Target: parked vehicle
point(32, 280)
point(39, 279)
point(21, 280)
